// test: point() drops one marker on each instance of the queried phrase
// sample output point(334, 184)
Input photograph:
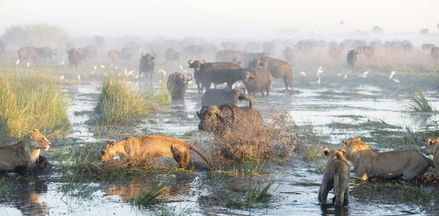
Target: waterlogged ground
point(375, 109)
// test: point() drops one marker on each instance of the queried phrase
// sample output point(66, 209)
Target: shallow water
point(296, 183)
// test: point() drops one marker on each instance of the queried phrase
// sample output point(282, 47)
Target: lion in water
point(25, 153)
point(336, 176)
point(432, 148)
point(145, 147)
point(389, 165)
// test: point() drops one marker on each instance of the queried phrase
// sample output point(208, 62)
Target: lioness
point(337, 174)
point(150, 146)
point(432, 148)
point(25, 153)
point(393, 164)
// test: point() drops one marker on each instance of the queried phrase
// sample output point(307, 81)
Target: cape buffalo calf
point(257, 80)
point(277, 68)
point(177, 85)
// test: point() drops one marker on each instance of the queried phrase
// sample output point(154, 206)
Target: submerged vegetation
point(119, 104)
point(26, 104)
point(149, 196)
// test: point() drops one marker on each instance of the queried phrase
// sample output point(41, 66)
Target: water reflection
point(328, 209)
point(25, 196)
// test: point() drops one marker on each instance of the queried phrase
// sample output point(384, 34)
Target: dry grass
point(418, 101)
point(27, 103)
point(120, 104)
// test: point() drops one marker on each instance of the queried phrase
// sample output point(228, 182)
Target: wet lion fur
point(388, 165)
point(146, 147)
point(336, 176)
point(25, 153)
point(432, 148)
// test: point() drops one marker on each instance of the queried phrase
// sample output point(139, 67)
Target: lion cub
point(141, 148)
point(393, 164)
point(432, 148)
point(337, 174)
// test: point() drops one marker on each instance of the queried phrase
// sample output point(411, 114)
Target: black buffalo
point(147, 66)
point(351, 59)
point(222, 96)
point(217, 73)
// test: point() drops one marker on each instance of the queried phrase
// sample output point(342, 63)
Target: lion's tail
point(199, 152)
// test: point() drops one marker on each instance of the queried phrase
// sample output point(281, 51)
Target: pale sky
point(220, 18)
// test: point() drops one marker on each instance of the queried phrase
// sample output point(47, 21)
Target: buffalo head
point(214, 118)
point(196, 65)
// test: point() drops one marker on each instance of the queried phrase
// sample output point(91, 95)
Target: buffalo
point(74, 57)
point(365, 50)
point(227, 118)
point(277, 68)
point(216, 72)
point(2, 49)
point(258, 79)
point(172, 55)
point(249, 57)
point(351, 59)
point(27, 53)
point(288, 54)
point(88, 52)
point(230, 56)
point(45, 53)
point(177, 85)
point(147, 66)
point(223, 96)
point(427, 47)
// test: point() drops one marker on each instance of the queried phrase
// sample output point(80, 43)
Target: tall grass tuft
point(418, 101)
point(150, 196)
point(120, 104)
point(27, 103)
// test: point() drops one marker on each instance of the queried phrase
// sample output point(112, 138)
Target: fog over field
point(222, 19)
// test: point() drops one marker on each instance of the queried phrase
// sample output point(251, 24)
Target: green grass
point(150, 196)
point(120, 104)
point(418, 101)
point(254, 195)
point(27, 103)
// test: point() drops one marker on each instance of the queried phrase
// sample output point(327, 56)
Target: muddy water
point(294, 192)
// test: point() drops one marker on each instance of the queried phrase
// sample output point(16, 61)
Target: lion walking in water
point(146, 147)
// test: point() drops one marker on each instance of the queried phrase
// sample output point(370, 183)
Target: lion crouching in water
point(388, 165)
point(336, 176)
point(146, 147)
point(25, 153)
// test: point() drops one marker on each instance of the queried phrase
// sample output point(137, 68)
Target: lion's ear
point(345, 143)
point(36, 130)
point(429, 141)
point(342, 150)
point(326, 151)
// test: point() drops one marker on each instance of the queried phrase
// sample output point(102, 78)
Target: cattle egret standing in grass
point(319, 71)
point(345, 76)
point(392, 74)
point(17, 62)
point(28, 64)
point(61, 77)
point(302, 74)
point(102, 66)
point(338, 74)
point(395, 80)
point(162, 75)
point(79, 77)
point(95, 67)
point(62, 62)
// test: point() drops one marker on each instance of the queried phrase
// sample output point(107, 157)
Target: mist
point(223, 19)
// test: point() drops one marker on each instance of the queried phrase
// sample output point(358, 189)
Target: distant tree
point(424, 31)
point(377, 30)
point(35, 35)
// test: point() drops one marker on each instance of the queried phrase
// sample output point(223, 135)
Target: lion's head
point(108, 152)
point(330, 153)
point(353, 145)
point(431, 146)
point(37, 140)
